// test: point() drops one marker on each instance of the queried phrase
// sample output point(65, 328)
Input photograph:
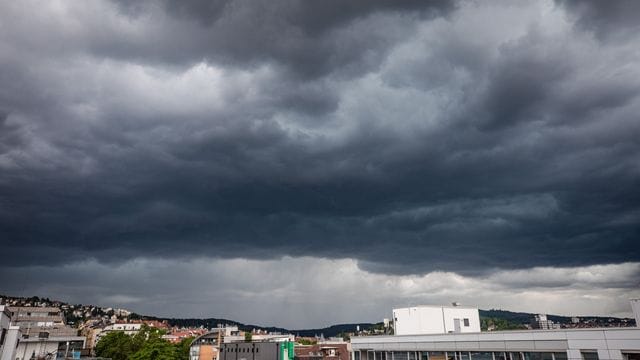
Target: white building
point(420, 320)
point(42, 347)
point(9, 335)
point(128, 328)
point(565, 344)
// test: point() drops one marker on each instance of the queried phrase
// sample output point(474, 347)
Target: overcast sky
point(303, 163)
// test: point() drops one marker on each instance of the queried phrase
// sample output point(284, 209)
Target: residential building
point(43, 346)
point(206, 346)
point(430, 319)
point(127, 328)
point(540, 321)
point(333, 351)
point(36, 320)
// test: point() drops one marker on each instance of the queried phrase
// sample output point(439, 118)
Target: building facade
point(565, 344)
point(261, 350)
point(206, 346)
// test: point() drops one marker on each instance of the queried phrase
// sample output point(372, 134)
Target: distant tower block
point(635, 307)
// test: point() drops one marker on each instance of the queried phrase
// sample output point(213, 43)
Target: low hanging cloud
point(408, 137)
point(310, 292)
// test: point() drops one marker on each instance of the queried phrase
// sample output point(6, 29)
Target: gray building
point(257, 351)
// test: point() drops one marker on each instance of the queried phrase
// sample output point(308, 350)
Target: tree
point(115, 345)
point(247, 336)
point(155, 349)
point(182, 349)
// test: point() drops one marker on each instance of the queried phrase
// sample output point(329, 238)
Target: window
point(437, 355)
point(481, 356)
point(466, 322)
point(500, 356)
point(590, 355)
point(2, 336)
point(537, 356)
point(560, 356)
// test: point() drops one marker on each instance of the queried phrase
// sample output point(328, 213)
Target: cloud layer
point(309, 292)
point(408, 136)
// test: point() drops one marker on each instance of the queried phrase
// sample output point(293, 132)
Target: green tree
point(155, 349)
point(248, 336)
point(182, 349)
point(115, 345)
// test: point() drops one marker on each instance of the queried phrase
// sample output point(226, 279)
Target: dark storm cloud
point(310, 38)
point(366, 131)
point(606, 18)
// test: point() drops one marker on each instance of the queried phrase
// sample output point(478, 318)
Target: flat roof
point(437, 307)
point(362, 342)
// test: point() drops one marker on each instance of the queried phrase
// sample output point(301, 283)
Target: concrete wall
point(434, 320)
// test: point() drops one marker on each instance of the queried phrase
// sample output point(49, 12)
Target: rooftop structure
point(435, 320)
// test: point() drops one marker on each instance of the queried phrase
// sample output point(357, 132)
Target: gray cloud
point(378, 131)
point(605, 18)
point(307, 292)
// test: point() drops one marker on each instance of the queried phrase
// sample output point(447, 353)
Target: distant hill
point(333, 330)
point(499, 319)
point(525, 318)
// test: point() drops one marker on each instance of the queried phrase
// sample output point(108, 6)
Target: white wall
point(451, 313)
point(635, 307)
point(8, 350)
point(434, 320)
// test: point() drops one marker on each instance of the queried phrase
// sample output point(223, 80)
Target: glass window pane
point(537, 356)
point(590, 355)
point(515, 356)
point(463, 355)
point(437, 355)
point(560, 356)
point(481, 356)
point(400, 355)
point(500, 356)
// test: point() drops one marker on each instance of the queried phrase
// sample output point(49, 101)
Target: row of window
point(466, 355)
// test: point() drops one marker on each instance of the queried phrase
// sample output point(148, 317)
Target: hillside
point(497, 319)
